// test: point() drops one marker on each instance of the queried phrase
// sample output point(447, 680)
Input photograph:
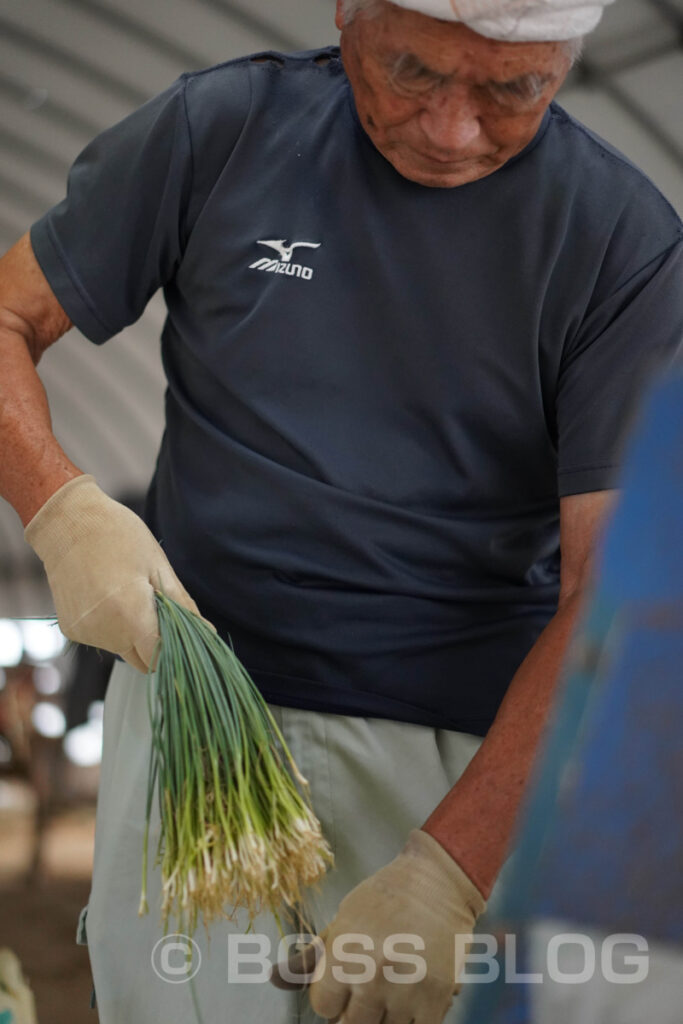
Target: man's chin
point(437, 174)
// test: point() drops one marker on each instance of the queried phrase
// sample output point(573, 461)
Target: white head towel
point(516, 21)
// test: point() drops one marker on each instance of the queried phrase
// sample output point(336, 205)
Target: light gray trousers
point(371, 780)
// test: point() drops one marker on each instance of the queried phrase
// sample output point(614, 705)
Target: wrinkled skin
point(444, 105)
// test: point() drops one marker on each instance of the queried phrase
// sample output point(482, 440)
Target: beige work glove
point(422, 895)
point(16, 998)
point(103, 566)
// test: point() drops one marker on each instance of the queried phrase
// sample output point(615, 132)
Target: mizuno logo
point(284, 264)
point(285, 251)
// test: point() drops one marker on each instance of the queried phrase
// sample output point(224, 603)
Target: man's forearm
point(475, 821)
point(33, 465)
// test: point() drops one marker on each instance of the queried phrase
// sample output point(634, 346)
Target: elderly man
point(410, 305)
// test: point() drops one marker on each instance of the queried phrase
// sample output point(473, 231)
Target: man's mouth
point(448, 159)
point(454, 160)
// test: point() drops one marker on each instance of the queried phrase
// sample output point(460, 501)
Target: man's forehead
point(454, 64)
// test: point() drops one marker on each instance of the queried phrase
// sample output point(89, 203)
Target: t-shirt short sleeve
point(118, 234)
point(630, 334)
point(133, 195)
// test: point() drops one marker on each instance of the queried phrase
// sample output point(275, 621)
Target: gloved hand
point(423, 892)
point(103, 566)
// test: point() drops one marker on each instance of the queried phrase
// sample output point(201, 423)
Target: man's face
point(444, 105)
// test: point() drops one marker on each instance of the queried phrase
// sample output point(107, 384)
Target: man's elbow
point(573, 591)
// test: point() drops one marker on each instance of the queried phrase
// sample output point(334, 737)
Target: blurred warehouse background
point(68, 69)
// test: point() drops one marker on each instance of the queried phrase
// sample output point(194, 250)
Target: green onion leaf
point(238, 829)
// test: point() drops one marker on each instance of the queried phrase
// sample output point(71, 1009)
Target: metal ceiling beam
point(32, 150)
point(591, 74)
point(73, 63)
point(20, 93)
point(26, 195)
point(191, 60)
point(672, 13)
point(635, 60)
point(254, 23)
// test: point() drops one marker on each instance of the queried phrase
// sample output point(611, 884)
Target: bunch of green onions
point(237, 825)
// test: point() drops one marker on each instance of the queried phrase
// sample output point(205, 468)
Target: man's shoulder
point(268, 87)
point(320, 56)
point(235, 109)
point(605, 174)
point(263, 67)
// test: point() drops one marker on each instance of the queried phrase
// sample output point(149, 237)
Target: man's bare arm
point(476, 820)
point(33, 465)
point(102, 562)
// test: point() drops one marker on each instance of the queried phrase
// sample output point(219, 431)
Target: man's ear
point(339, 15)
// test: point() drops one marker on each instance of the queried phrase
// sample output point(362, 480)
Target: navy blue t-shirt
point(377, 391)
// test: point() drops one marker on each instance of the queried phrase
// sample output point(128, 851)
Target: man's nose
point(450, 120)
